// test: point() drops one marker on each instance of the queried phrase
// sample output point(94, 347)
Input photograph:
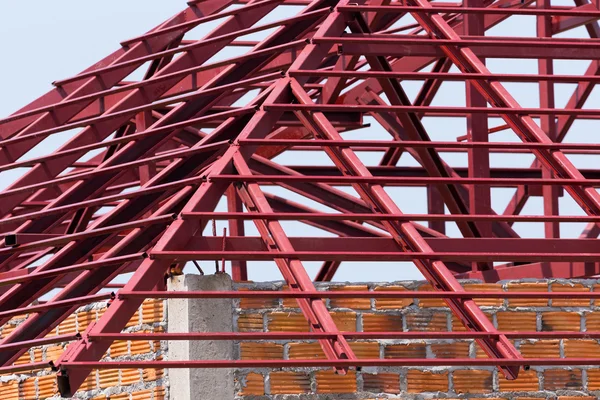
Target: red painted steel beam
point(446, 76)
point(539, 270)
point(257, 255)
point(356, 294)
point(363, 362)
point(408, 180)
point(350, 335)
point(299, 216)
point(468, 10)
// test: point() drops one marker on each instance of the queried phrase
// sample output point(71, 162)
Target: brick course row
point(373, 315)
point(101, 384)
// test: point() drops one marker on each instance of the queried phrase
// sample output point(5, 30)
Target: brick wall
point(142, 384)
point(423, 315)
point(351, 314)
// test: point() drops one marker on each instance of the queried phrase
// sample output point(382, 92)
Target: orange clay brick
point(330, 382)
point(257, 303)
point(299, 351)
point(411, 350)
point(485, 287)
point(593, 379)
point(527, 287)
point(562, 379)
point(561, 321)
point(392, 304)
point(84, 319)
point(576, 398)
point(254, 384)
point(260, 351)
point(135, 320)
point(69, 325)
point(156, 343)
point(152, 311)
point(7, 330)
point(140, 347)
point(250, 323)
point(426, 381)
point(381, 322)
point(151, 374)
point(289, 383)
point(159, 393)
point(486, 398)
point(27, 389)
point(119, 348)
point(365, 349)
point(109, 378)
point(9, 390)
point(540, 349)
point(287, 322)
point(582, 348)
point(142, 395)
point(122, 396)
point(90, 383)
point(472, 381)
point(356, 304)
point(527, 381)
point(345, 321)
point(429, 302)
point(479, 353)
point(37, 354)
point(24, 359)
point(451, 350)
point(289, 303)
point(457, 325)
point(434, 322)
point(381, 383)
point(516, 321)
point(47, 386)
point(53, 352)
point(130, 376)
point(592, 321)
point(576, 287)
point(596, 288)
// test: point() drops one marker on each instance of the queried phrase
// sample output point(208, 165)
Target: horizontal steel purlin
point(442, 8)
point(364, 362)
point(437, 109)
point(251, 336)
point(505, 256)
point(356, 75)
point(289, 216)
point(417, 144)
point(351, 294)
point(407, 181)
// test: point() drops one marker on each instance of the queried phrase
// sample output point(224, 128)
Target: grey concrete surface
point(200, 315)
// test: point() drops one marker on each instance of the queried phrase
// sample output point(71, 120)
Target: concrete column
point(200, 315)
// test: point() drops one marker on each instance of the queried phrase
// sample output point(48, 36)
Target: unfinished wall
point(423, 315)
point(351, 314)
point(128, 384)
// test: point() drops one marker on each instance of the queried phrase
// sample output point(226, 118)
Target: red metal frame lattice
point(138, 181)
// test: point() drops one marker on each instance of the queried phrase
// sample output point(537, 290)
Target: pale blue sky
point(42, 41)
